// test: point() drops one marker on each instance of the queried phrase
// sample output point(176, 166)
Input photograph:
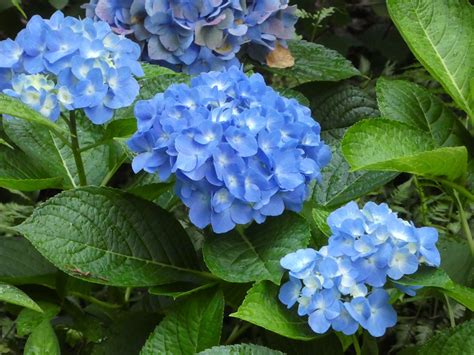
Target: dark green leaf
point(404, 149)
point(314, 62)
point(42, 341)
point(18, 172)
point(56, 158)
point(193, 326)
point(13, 295)
point(106, 236)
point(414, 105)
point(59, 4)
point(438, 279)
point(340, 185)
point(293, 94)
point(459, 340)
point(441, 35)
point(20, 263)
point(255, 254)
point(262, 307)
point(240, 349)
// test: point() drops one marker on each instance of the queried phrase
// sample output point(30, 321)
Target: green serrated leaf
point(33, 268)
point(13, 295)
point(254, 255)
point(15, 108)
point(28, 319)
point(194, 325)
point(441, 35)
point(458, 340)
point(414, 105)
point(314, 62)
point(240, 349)
point(437, 278)
point(110, 237)
point(42, 341)
point(261, 307)
point(293, 94)
point(405, 149)
point(56, 158)
point(340, 185)
point(18, 172)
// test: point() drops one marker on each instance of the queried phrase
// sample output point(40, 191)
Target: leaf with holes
point(194, 325)
point(441, 35)
point(106, 236)
point(255, 254)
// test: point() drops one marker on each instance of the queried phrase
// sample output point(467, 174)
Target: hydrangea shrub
point(65, 64)
point(199, 36)
point(239, 150)
point(341, 284)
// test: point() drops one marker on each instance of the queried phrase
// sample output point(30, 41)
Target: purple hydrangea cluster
point(341, 285)
point(199, 36)
point(240, 151)
point(66, 64)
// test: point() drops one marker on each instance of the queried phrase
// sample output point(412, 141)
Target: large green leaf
point(107, 236)
point(194, 325)
point(15, 108)
point(254, 254)
point(404, 149)
point(458, 340)
point(20, 263)
point(339, 184)
point(337, 107)
point(56, 158)
point(13, 295)
point(18, 172)
point(437, 278)
point(240, 349)
point(43, 341)
point(414, 105)
point(314, 62)
point(262, 307)
point(441, 35)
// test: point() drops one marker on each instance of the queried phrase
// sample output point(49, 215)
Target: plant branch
point(464, 222)
point(76, 149)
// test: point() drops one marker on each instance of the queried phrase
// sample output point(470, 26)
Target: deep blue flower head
point(199, 36)
point(239, 150)
point(63, 64)
point(341, 285)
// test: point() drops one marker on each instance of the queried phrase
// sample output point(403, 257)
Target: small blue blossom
point(64, 64)
point(341, 285)
point(213, 135)
point(199, 36)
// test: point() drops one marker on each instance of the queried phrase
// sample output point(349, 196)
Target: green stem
point(450, 312)
point(461, 189)
point(96, 301)
point(356, 344)
point(424, 207)
point(236, 333)
point(464, 222)
point(128, 291)
point(76, 151)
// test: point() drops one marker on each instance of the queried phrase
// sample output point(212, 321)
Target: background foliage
point(391, 85)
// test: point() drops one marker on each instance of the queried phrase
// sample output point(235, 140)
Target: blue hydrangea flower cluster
point(341, 285)
point(240, 151)
point(199, 36)
point(65, 64)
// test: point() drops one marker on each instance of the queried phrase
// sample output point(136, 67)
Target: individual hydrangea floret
point(199, 36)
point(239, 150)
point(341, 285)
point(64, 64)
